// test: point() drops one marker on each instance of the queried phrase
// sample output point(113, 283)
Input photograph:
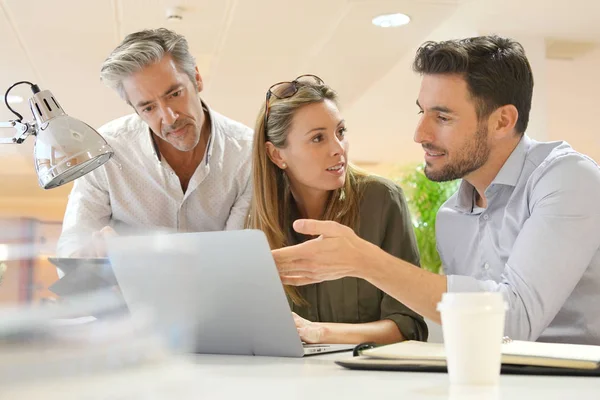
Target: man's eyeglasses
point(283, 90)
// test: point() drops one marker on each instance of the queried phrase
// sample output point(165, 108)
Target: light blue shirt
point(537, 242)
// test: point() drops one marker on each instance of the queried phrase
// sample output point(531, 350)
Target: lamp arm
point(23, 131)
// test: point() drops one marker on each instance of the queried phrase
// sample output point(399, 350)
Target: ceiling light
point(174, 15)
point(14, 99)
point(391, 20)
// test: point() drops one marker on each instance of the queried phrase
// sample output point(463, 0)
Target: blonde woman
point(301, 170)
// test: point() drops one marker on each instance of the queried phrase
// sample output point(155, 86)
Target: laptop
point(210, 292)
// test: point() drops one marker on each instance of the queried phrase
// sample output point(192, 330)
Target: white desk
point(224, 377)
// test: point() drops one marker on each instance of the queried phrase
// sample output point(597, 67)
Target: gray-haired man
point(178, 165)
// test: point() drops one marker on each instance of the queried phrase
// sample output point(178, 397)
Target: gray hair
point(141, 49)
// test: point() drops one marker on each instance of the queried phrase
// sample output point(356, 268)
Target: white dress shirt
point(137, 191)
point(537, 243)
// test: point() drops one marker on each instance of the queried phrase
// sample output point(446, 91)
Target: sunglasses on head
point(283, 90)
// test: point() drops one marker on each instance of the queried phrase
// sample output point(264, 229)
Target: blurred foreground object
point(60, 339)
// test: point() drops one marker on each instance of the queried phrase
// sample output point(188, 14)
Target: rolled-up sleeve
point(399, 241)
point(553, 249)
point(88, 210)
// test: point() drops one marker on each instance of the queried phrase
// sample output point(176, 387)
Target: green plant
point(424, 198)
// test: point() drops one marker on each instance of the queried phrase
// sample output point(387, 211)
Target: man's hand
point(336, 253)
point(310, 332)
point(97, 244)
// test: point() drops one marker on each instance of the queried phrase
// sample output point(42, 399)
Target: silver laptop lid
point(210, 292)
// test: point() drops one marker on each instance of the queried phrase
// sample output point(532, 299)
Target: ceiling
point(243, 46)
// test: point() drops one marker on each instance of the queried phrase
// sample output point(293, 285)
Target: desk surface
point(223, 377)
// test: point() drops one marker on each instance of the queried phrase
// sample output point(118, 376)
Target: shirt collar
point(213, 133)
point(465, 197)
point(508, 175)
point(511, 170)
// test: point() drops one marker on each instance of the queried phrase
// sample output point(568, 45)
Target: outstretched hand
point(337, 252)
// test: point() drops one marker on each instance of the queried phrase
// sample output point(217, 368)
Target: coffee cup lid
point(472, 301)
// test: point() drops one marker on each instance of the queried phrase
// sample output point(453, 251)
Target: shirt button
point(486, 217)
point(486, 266)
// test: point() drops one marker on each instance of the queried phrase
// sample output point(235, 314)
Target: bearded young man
point(525, 221)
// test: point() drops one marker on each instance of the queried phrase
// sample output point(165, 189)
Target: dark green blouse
point(384, 220)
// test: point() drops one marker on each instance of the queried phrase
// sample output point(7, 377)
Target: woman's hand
point(310, 332)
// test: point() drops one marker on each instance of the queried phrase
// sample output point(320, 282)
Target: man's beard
point(470, 158)
point(187, 143)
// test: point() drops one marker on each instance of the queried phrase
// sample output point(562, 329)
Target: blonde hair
point(271, 200)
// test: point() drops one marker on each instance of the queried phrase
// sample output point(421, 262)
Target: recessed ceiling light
point(14, 99)
point(391, 20)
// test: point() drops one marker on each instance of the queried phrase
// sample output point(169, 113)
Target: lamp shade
point(65, 148)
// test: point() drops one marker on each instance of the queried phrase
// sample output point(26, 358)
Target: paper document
point(515, 352)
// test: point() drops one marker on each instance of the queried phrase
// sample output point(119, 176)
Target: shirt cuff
point(461, 283)
point(411, 328)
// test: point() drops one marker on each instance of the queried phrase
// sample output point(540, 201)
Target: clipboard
point(369, 364)
point(362, 362)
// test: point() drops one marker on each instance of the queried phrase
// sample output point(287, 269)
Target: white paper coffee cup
point(473, 327)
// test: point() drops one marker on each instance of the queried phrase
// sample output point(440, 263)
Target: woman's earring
point(283, 166)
